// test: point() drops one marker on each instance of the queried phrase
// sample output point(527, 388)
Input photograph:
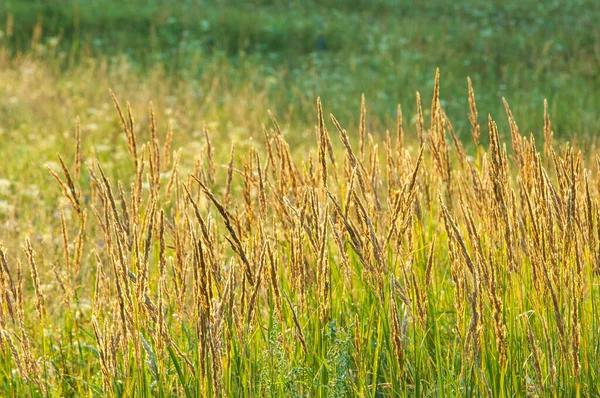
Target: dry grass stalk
point(127, 128)
point(397, 332)
point(322, 143)
point(210, 155)
point(167, 146)
point(472, 337)
point(39, 299)
point(227, 198)
point(299, 333)
point(77, 148)
point(475, 131)
point(420, 122)
point(399, 130)
point(227, 219)
point(67, 188)
point(548, 133)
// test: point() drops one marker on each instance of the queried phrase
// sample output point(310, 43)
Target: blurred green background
point(293, 51)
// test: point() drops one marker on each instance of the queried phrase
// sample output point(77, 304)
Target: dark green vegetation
point(295, 50)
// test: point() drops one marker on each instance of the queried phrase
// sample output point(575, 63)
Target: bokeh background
point(253, 55)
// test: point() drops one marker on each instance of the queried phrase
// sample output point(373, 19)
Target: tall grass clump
point(396, 263)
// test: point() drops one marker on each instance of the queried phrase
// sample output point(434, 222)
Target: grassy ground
point(449, 256)
point(297, 50)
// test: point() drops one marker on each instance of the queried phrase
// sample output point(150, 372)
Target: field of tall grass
point(367, 267)
point(171, 233)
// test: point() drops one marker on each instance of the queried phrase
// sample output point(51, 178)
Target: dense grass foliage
point(297, 50)
point(241, 236)
point(366, 267)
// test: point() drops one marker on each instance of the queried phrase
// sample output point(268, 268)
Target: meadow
point(280, 198)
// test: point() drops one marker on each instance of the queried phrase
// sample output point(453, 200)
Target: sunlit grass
point(403, 266)
point(181, 216)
